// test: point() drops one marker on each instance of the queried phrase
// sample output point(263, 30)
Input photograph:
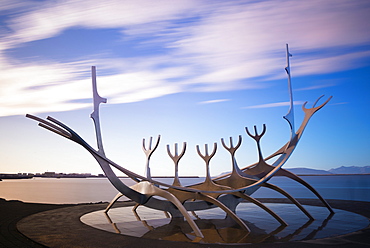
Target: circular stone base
point(153, 224)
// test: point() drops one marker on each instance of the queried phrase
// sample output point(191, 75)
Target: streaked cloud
point(317, 86)
point(191, 45)
point(214, 101)
point(340, 103)
point(47, 19)
point(274, 105)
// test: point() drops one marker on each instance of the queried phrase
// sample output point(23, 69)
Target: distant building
point(49, 174)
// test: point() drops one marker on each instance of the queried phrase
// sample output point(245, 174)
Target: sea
point(92, 190)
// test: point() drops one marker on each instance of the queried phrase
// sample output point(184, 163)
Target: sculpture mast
point(95, 114)
point(290, 115)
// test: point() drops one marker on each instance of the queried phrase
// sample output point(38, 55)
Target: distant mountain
point(351, 170)
point(339, 170)
point(306, 171)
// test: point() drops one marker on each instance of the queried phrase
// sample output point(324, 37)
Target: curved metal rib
point(185, 196)
point(114, 200)
point(291, 198)
point(210, 185)
point(149, 189)
point(223, 207)
point(261, 205)
point(296, 178)
point(50, 126)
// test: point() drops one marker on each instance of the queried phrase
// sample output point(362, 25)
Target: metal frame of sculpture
point(225, 191)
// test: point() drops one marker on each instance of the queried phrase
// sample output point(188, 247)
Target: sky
point(189, 70)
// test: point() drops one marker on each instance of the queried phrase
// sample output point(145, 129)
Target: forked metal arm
point(232, 149)
point(261, 168)
point(206, 157)
point(148, 152)
point(176, 158)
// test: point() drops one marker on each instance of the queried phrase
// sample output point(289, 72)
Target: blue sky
point(193, 71)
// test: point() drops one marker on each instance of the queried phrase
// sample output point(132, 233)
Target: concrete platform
point(62, 228)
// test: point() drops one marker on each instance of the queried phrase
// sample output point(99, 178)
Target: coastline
point(58, 177)
point(15, 176)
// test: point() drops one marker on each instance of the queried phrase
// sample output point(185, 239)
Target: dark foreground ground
point(61, 227)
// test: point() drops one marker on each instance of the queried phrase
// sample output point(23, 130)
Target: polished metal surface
point(225, 192)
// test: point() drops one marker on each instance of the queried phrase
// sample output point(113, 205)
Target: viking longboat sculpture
point(225, 192)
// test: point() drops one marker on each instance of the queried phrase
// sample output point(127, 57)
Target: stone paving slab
point(13, 211)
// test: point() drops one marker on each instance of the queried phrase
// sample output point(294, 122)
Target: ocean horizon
point(91, 190)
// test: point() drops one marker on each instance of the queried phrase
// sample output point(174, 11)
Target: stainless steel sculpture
point(225, 192)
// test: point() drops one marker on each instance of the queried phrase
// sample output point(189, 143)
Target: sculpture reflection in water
point(217, 229)
point(224, 192)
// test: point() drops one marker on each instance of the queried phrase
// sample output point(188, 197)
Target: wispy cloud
point(47, 19)
point(214, 101)
point(274, 105)
point(202, 45)
point(317, 86)
point(339, 103)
